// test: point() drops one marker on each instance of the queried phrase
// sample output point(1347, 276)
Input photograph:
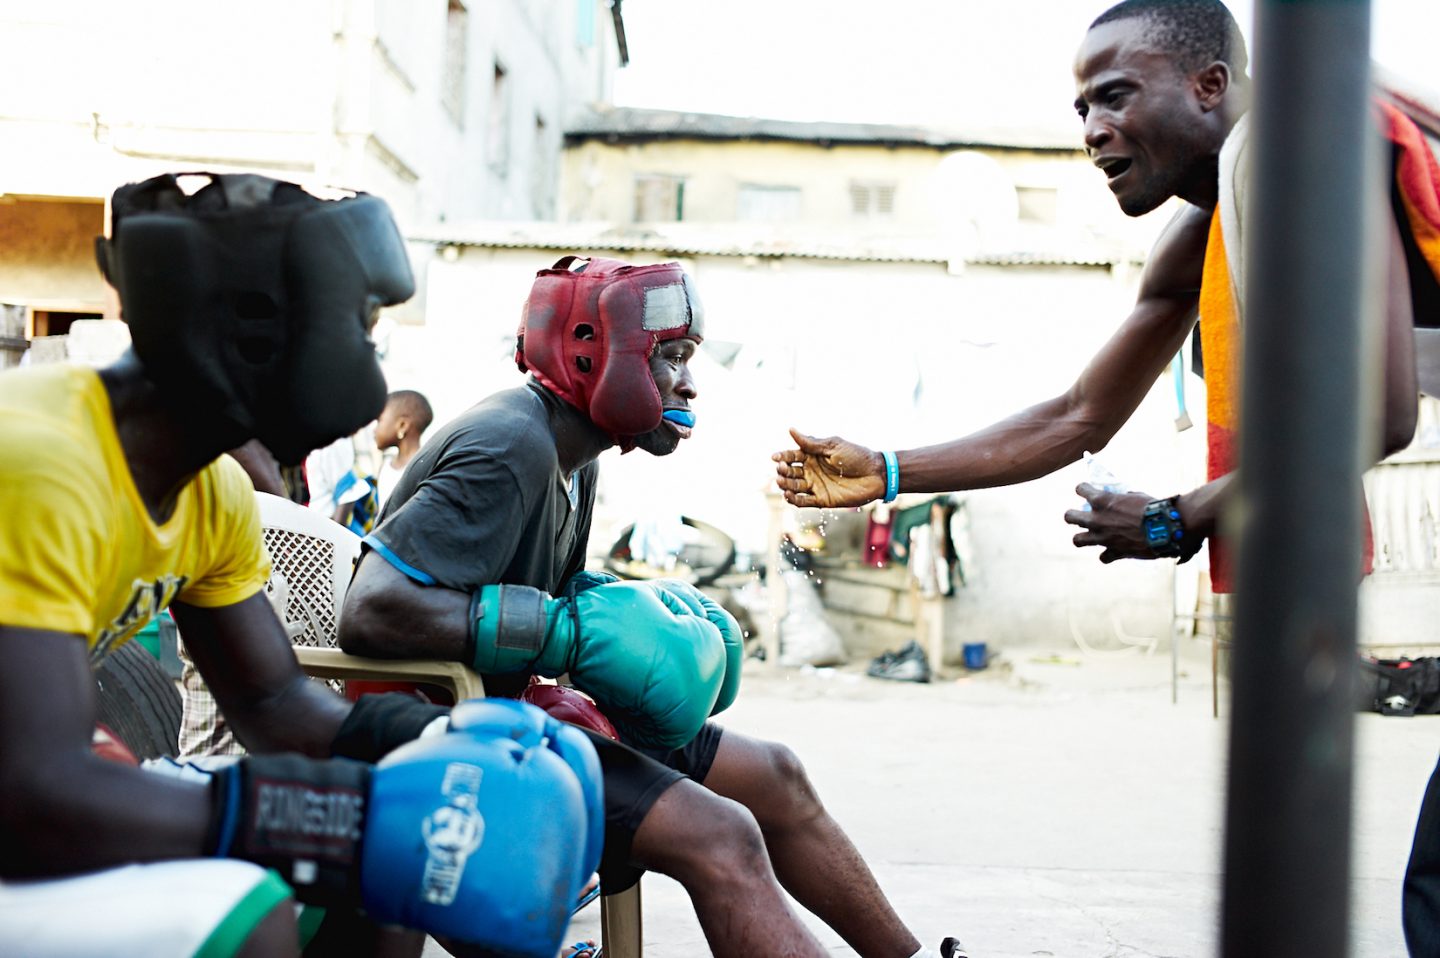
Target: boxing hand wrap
point(380, 723)
point(301, 816)
point(651, 661)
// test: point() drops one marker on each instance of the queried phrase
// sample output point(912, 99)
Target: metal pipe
point(1313, 196)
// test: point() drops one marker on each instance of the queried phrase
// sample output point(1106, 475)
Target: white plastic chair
point(312, 558)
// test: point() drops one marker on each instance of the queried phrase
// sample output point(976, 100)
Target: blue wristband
point(227, 783)
point(892, 476)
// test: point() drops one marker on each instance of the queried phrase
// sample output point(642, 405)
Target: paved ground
point(1051, 806)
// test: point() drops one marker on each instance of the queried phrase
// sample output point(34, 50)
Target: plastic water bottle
point(1098, 475)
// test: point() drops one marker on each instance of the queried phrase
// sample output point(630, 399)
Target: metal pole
point(1287, 836)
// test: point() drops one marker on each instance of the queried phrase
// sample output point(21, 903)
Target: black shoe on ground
point(907, 665)
point(950, 948)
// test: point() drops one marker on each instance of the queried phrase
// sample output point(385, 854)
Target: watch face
point(1163, 531)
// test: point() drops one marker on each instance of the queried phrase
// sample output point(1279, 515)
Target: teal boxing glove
point(730, 631)
point(653, 665)
point(583, 580)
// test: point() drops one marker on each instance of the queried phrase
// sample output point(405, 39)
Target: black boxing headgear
point(250, 304)
point(587, 333)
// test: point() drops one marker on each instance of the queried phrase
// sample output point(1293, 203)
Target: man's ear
point(1211, 83)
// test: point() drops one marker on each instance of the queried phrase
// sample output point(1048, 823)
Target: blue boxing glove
point(533, 727)
point(730, 632)
point(482, 835)
point(488, 833)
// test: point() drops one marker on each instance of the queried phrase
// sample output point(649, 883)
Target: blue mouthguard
point(681, 417)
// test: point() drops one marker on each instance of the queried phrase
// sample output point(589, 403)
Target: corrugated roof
point(629, 124)
point(586, 237)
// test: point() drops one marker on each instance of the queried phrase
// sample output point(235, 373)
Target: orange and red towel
point(1222, 295)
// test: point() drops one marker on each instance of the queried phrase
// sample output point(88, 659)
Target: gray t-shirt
point(485, 502)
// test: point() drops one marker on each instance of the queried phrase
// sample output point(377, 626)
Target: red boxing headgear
point(587, 333)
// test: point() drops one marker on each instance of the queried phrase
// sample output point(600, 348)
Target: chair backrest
point(312, 558)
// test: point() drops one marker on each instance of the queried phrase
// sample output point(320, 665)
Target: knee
point(733, 832)
point(783, 774)
point(725, 843)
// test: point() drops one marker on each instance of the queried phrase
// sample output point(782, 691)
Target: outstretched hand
point(828, 473)
point(1115, 520)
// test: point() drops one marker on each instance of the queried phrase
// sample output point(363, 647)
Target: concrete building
point(977, 192)
point(449, 109)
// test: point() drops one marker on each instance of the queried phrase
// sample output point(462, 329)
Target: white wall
point(831, 346)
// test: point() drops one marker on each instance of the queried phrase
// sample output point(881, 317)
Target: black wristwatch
point(1165, 532)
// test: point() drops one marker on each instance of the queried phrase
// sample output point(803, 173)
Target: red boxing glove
point(569, 705)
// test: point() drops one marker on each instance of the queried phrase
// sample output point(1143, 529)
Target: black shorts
point(634, 778)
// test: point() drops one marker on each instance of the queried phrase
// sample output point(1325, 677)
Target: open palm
point(828, 473)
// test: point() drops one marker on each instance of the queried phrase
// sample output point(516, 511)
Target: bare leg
point(355, 936)
point(274, 935)
point(813, 858)
point(714, 848)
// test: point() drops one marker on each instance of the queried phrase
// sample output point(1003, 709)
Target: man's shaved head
point(1196, 32)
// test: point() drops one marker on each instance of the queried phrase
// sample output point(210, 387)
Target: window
point(871, 198)
point(54, 322)
point(497, 143)
point(659, 198)
point(767, 204)
point(452, 79)
point(1038, 204)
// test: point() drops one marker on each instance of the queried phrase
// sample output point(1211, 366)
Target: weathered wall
point(889, 354)
point(47, 253)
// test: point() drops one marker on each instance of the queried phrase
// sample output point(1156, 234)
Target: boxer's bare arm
point(1400, 406)
point(389, 615)
point(1114, 520)
point(247, 661)
point(261, 467)
point(62, 809)
point(1051, 434)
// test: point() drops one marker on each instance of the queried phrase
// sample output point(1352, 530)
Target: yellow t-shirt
point(79, 553)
